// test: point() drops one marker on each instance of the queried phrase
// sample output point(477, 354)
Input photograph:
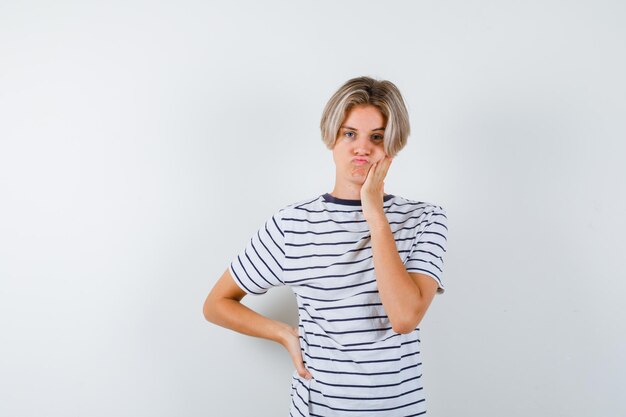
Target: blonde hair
point(365, 90)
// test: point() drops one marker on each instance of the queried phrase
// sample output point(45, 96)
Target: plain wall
point(143, 143)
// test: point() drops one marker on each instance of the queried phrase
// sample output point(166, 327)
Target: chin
point(358, 180)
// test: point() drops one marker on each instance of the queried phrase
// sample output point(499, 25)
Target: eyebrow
point(351, 128)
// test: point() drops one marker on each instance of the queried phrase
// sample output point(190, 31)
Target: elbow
point(403, 328)
point(208, 309)
point(407, 324)
point(218, 303)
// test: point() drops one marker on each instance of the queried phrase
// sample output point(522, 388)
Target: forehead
point(364, 115)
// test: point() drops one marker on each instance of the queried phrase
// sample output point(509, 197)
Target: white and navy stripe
point(321, 248)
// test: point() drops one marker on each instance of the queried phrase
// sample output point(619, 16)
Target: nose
point(362, 146)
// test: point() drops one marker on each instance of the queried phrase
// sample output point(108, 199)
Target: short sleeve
point(259, 266)
point(429, 247)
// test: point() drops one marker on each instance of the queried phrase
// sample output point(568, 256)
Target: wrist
point(283, 333)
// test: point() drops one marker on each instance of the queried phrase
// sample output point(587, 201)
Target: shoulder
point(293, 209)
point(431, 219)
point(424, 208)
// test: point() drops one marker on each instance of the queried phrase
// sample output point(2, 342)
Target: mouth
point(359, 161)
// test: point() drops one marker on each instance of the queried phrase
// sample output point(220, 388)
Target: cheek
point(337, 158)
point(340, 155)
point(380, 152)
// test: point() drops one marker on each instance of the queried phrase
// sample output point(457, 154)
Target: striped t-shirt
point(321, 248)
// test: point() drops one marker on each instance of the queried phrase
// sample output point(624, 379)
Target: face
point(359, 143)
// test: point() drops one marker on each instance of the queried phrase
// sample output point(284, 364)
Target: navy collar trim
point(332, 199)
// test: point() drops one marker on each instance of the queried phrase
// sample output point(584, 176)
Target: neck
point(348, 191)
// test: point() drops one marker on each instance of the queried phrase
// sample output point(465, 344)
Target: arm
point(405, 296)
point(223, 307)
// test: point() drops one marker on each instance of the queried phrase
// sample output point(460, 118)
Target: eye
point(377, 137)
point(349, 134)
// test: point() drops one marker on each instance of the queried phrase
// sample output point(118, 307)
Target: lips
point(360, 161)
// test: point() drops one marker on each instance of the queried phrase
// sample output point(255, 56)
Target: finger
point(370, 174)
point(387, 164)
point(384, 168)
point(297, 358)
point(302, 371)
point(379, 172)
point(377, 167)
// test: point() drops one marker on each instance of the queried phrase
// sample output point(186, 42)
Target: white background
point(142, 143)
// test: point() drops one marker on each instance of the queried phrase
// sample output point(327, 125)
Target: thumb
point(302, 371)
point(296, 355)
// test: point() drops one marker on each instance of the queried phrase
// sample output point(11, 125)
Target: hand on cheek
point(372, 191)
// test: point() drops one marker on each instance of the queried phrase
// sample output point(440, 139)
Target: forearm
point(234, 315)
point(399, 294)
